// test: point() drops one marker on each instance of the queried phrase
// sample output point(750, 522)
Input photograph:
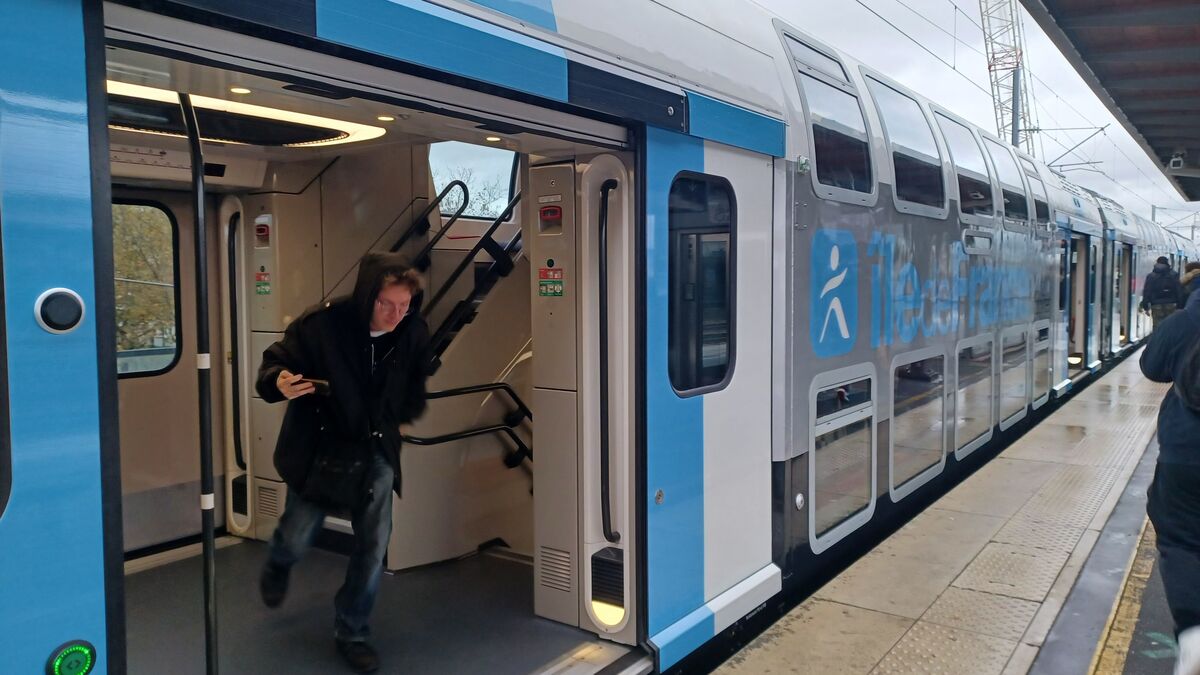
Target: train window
point(918, 418)
point(842, 475)
point(700, 328)
point(915, 154)
point(487, 172)
point(1013, 389)
point(146, 264)
point(1016, 205)
point(843, 158)
point(973, 398)
point(1040, 203)
point(807, 56)
point(974, 184)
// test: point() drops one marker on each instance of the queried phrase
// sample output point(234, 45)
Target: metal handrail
point(523, 409)
point(438, 341)
point(605, 507)
point(422, 219)
point(470, 257)
point(512, 461)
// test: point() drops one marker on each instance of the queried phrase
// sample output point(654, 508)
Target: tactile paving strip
point(1073, 496)
point(928, 648)
point(1030, 532)
point(996, 615)
point(1015, 571)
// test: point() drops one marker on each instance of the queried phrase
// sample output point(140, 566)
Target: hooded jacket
point(1162, 287)
point(1174, 496)
point(366, 405)
point(1190, 281)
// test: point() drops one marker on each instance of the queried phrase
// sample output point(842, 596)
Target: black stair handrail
point(512, 460)
point(484, 240)
point(460, 314)
point(522, 409)
point(420, 224)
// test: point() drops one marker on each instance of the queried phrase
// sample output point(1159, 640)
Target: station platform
point(1020, 569)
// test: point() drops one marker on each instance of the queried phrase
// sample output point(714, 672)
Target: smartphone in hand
point(319, 386)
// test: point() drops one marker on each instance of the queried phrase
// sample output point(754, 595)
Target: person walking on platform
point(1173, 355)
point(352, 372)
point(1162, 293)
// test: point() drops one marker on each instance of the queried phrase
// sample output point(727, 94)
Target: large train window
point(700, 326)
point(915, 154)
point(1016, 204)
point(973, 398)
point(974, 181)
point(841, 476)
point(489, 174)
point(146, 265)
point(917, 429)
point(1014, 385)
point(840, 142)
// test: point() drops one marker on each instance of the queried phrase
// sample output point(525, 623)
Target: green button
point(74, 658)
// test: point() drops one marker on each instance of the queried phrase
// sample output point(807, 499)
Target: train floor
point(1016, 570)
point(468, 616)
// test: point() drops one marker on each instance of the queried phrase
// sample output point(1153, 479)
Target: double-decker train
point(763, 301)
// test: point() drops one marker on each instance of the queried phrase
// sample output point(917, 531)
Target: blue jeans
point(302, 520)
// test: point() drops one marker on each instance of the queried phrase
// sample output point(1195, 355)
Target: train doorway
point(1080, 304)
point(516, 507)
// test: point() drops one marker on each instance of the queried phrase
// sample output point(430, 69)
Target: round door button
point(77, 657)
point(59, 310)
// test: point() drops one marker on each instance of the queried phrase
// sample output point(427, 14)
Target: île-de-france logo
point(833, 325)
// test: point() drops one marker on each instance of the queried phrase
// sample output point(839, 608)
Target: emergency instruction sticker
point(262, 288)
point(550, 282)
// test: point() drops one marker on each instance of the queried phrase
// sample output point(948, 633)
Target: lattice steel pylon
point(1005, 44)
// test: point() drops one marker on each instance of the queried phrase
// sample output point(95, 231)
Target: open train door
point(60, 570)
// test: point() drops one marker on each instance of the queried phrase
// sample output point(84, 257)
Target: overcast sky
point(953, 72)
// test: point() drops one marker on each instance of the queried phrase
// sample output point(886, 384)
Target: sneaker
point(273, 585)
point(359, 655)
point(1188, 661)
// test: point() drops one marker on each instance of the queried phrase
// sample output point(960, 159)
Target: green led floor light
point(74, 658)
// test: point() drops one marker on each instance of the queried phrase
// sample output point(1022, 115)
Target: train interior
point(495, 557)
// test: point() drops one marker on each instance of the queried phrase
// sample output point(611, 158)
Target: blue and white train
point(764, 302)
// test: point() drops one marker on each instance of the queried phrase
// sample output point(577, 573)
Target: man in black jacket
point(1174, 495)
point(352, 371)
point(1162, 292)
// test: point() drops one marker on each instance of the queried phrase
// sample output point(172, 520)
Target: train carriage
point(763, 302)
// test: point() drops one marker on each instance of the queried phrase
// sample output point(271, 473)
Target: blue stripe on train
point(674, 429)
point(731, 125)
point(428, 35)
point(536, 12)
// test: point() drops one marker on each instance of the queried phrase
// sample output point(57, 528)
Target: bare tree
point(488, 196)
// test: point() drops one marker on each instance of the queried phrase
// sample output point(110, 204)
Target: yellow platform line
point(1114, 644)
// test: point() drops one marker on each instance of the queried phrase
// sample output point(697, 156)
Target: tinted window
point(917, 418)
point(974, 184)
point(914, 151)
point(144, 260)
point(1015, 203)
point(840, 136)
point(486, 171)
point(700, 326)
point(809, 56)
point(1041, 204)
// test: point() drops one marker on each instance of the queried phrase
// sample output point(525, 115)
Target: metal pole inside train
point(204, 375)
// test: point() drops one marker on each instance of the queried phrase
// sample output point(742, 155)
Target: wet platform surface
point(975, 583)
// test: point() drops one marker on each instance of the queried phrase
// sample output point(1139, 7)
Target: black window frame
point(179, 338)
point(731, 285)
point(800, 69)
point(974, 219)
point(903, 205)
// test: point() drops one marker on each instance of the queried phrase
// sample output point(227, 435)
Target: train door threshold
point(467, 616)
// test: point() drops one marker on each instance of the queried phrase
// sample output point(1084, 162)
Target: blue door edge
point(104, 317)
